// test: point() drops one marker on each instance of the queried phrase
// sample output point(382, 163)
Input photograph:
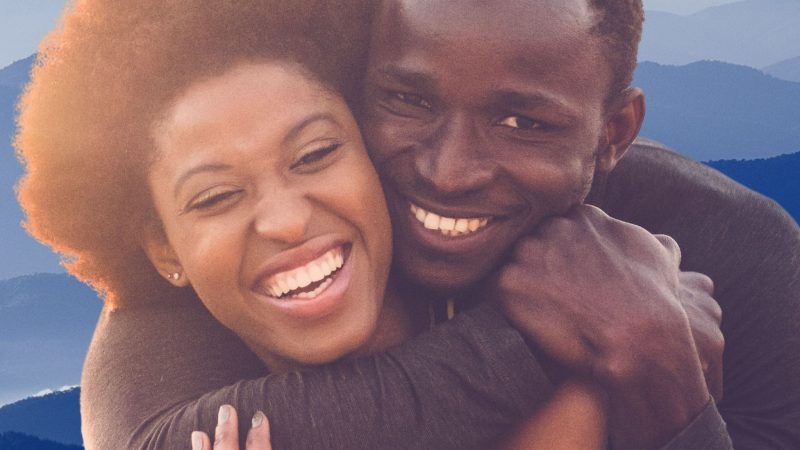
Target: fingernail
point(258, 419)
point(224, 413)
point(197, 440)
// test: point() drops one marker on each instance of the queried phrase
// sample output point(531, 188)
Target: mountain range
point(11, 440)
point(682, 7)
point(54, 417)
point(755, 33)
point(711, 110)
point(788, 69)
point(46, 323)
point(777, 178)
point(23, 255)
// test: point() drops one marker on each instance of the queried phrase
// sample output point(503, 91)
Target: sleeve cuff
point(706, 431)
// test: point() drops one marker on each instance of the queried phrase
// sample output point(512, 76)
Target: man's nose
point(453, 160)
point(283, 216)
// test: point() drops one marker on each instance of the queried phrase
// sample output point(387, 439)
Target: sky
point(23, 23)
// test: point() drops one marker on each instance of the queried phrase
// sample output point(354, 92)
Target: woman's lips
point(319, 271)
point(324, 298)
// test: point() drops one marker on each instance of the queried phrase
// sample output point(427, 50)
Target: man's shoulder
point(654, 183)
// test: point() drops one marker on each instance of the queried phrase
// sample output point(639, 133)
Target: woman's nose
point(283, 217)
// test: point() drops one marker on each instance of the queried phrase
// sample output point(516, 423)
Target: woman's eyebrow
point(194, 171)
point(308, 120)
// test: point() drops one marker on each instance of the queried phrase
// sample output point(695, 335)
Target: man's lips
point(448, 226)
point(448, 233)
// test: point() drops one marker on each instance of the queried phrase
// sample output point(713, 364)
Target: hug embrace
point(388, 224)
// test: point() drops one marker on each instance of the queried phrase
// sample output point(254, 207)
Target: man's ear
point(162, 256)
point(623, 121)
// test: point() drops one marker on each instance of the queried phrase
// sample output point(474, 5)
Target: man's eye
point(413, 100)
point(520, 122)
point(315, 156)
point(211, 198)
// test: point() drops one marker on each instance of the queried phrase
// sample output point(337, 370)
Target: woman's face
point(272, 212)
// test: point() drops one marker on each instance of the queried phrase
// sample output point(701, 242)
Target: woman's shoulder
point(144, 360)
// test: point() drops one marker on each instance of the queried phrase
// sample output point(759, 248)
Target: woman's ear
point(623, 121)
point(162, 256)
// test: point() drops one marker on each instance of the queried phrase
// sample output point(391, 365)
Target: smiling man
point(481, 137)
point(491, 123)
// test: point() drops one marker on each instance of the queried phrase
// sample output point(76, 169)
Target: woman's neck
point(398, 321)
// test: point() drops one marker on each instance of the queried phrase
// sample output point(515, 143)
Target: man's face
point(483, 118)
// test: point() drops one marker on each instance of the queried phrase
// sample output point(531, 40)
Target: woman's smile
point(271, 207)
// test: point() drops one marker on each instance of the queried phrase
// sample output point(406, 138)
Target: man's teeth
point(317, 270)
point(448, 226)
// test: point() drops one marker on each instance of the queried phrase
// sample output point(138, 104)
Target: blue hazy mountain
point(55, 417)
point(713, 110)
point(22, 254)
point(755, 33)
point(682, 7)
point(12, 440)
point(777, 178)
point(788, 69)
point(46, 323)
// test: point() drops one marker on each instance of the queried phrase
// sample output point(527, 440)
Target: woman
point(170, 146)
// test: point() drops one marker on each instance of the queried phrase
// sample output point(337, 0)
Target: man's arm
point(154, 374)
point(750, 247)
point(601, 297)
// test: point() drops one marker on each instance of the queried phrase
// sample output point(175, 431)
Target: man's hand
point(602, 298)
point(705, 317)
point(226, 435)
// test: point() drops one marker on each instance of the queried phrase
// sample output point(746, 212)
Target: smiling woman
point(221, 159)
point(103, 79)
point(272, 212)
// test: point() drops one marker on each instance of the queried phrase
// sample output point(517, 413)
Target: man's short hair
point(620, 28)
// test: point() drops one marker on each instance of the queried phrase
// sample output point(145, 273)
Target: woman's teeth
point(284, 283)
point(448, 226)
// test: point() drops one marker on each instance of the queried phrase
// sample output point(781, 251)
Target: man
point(498, 114)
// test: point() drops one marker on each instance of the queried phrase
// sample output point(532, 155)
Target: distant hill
point(55, 417)
point(788, 69)
point(711, 110)
point(16, 241)
point(755, 33)
point(46, 323)
point(777, 178)
point(682, 7)
point(17, 441)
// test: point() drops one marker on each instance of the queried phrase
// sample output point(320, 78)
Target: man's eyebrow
point(510, 98)
point(408, 77)
point(194, 171)
point(523, 100)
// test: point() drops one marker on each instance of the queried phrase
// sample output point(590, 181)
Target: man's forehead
point(512, 16)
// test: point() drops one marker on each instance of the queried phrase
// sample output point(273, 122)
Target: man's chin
point(440, 278)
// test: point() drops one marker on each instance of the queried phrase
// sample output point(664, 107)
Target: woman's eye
point(211, 198)
point(520, 122)
point(412, 100)
point(315, 156)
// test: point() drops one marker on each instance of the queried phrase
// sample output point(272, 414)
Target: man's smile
point(448, 226)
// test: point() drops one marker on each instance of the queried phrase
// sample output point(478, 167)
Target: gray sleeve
point(457, 386)
point(707, 431)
